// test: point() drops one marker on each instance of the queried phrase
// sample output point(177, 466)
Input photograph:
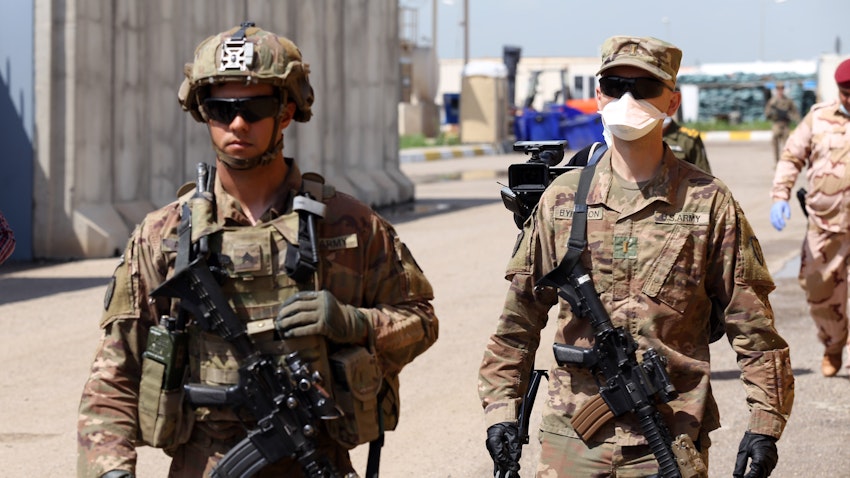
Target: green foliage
point(703, 126)
point(420, 141)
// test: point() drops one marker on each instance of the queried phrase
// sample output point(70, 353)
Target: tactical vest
point(253, 264)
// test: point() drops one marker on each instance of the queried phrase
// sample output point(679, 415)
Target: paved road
point(461, 235)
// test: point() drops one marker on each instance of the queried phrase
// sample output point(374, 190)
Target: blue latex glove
point(779, 212)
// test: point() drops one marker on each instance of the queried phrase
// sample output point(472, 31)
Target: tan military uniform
point(821, 145)
point(782, 111)
point(362, 262)
point(658, 256)
point(687, 145)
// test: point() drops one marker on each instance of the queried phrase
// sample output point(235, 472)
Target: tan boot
point(830, 364)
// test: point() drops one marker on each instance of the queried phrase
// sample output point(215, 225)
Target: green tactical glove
point(320, 313)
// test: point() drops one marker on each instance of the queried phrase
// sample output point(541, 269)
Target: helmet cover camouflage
point(251, 55)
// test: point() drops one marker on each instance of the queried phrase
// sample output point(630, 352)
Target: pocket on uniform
point(164, 421)
point(672, 278)
point(357, 381)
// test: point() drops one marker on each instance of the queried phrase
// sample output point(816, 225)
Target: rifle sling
point(578, 233)
point(595, 412)
point(301, 260)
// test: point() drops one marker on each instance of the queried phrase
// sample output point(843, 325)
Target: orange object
point(586, 106)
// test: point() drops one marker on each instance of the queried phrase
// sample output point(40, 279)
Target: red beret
point(842, 74)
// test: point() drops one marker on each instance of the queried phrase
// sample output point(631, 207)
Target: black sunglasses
point(251, 109)
point(641, 88)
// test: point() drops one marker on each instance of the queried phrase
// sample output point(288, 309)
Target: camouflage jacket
point(821, 144)
point(7, 239)
point(687, 145)
point(657, 262)
point(781, 110)
point(364, 264)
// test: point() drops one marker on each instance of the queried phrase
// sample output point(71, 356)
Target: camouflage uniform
point(658, 257)
point(686, 144)
point(7, 239)
point(362, 262)
point(782, 111)
point(821, 145)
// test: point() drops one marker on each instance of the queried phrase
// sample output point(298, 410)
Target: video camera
point(527, 181)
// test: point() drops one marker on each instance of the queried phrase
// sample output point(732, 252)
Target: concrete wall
point(16, 118)
point(113, 143)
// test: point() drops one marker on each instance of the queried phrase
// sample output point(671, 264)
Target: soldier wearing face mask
point(666, 244)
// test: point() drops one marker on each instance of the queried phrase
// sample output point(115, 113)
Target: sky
point(707, 31)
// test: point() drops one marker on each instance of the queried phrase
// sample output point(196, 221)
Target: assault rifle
point(625, 385)
point(287, 401)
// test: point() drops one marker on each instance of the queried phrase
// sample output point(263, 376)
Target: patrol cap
point(658, 57)
point(842, 74)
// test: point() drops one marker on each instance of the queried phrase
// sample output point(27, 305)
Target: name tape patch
point(689, 218)
point(340, 242)
point(566, 212)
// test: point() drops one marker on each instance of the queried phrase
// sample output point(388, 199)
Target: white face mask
point(630, 119)
point(843, 109)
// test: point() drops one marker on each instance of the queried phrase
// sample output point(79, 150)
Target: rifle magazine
point(243, 460)
point(591, 416)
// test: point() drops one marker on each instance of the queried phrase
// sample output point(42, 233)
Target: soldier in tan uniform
point(666, 243)
point(821, 145)
point(686, 144)
point(782, 111)
point(366, 298)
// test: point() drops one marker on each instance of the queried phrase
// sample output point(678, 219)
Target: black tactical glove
point(505, 448)
point(320, 313)
point(117, 474)
point(761, 450)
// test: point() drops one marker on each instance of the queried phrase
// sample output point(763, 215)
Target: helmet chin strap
point(275, 147)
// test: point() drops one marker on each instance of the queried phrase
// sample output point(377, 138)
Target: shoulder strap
point(578, 233)
point(303, 260)
point(206, 178)
point(565, 274)
point(588, 155)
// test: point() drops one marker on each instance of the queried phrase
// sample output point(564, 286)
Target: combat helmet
point(249, 55)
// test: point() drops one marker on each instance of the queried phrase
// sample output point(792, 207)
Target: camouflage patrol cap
point(250, 55)
point(658, 57)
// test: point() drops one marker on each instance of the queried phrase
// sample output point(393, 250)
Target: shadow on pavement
point(736, 374)
point(16, 289)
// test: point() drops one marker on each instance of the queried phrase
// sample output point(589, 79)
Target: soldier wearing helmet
point(358, 312)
